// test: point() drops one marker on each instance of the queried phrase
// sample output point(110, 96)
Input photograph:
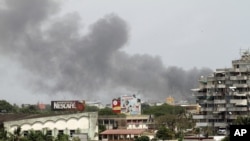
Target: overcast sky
point(140, 39)
point(183, 33)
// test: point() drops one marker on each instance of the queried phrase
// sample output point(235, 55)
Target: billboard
point(116, 105)
point(72, 105)
point(131, 105)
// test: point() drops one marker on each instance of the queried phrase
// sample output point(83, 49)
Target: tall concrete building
point(224, 95)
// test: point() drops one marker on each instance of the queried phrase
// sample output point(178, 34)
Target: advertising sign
point(68, 105)
point(131, 105)
point(116, 106)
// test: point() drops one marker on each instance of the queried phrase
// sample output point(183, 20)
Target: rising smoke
point(62, 60)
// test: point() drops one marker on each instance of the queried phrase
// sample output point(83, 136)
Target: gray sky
point(183, 33)
point(100, 49)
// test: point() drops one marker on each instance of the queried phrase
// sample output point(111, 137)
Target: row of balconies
point(206, 117)
point(216, 124)
point(221, 109)
point(237, 102)
point(221, 94)
point(237, 85)
point(240, 77)
point(202, 117)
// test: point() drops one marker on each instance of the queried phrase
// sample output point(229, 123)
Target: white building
point(70, 124)
point(138, 122)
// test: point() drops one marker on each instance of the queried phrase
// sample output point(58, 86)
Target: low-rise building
point(121, 134)
point(76, 123)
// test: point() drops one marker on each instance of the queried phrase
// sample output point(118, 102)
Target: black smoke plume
point(60, 59)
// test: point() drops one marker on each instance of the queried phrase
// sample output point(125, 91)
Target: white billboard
point(131, 104)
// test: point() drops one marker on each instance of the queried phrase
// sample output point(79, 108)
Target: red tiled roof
point(123, 132)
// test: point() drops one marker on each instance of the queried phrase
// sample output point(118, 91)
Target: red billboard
point(116, 106)
point(72, 105)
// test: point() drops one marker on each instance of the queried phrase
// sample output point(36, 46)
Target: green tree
point(62, 137)
point(31, 109)
point(6, 106)
point(242, 121)
point(91, 108)
point(164, 133)
point(167, 120)
point(101, 128)
point(76, 139)
point(142, 138)
point(106, 111)
point(226, 139)
point(3, 133)
point(163, 110)
point(35, 136)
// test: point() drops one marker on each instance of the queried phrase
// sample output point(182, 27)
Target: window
point(25, 133)
point(49, 132)
point(72, 132)
point(60, 131)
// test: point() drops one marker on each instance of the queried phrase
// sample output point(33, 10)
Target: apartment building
point(224, 95)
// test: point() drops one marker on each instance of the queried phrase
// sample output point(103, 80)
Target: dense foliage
point(142, 138)
point(165, 134)
point(242, 121)
point(164, 109)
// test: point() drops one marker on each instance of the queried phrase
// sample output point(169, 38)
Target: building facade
point(127, 122)
point(70, 124)
point(224, 95)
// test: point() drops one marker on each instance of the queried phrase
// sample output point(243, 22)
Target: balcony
point(239, 93)
point(207, 109)
point(235, 116)
point(232, 116)
point(239, 102)
point(220, 78)
point(216, 101)
point(210, 79)
point(242, 69)
point(210, 86)
point(221, 86)
point(238, 77)
point(240, 85)
point(221, 109)
point(220, 124)
point(203, 124)
point(199, 116)
point(237, 109)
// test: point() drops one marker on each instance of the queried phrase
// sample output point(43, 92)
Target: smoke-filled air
point(60, 58)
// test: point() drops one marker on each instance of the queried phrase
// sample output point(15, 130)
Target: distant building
point(170, 100)
point(224, 95)
point(191, 108)
point(95, 103)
